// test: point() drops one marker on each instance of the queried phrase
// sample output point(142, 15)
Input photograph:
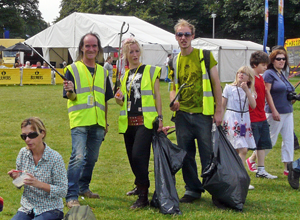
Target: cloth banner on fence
point(9, 76)
point(58, 79)
point(36, 76)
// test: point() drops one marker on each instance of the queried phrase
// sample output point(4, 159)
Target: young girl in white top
point(236, 122)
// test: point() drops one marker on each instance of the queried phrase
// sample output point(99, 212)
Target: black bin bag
point(226, 178)
point(168, 159)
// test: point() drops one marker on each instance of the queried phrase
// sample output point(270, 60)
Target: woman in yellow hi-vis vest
point(141, 103)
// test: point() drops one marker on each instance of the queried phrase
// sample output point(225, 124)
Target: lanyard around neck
point(240, 101)
point(129, 92)
point(91, 85)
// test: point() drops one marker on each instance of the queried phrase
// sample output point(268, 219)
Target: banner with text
point(9, 76)
point(36, 76)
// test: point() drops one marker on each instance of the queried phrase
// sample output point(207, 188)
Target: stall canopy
point(66, 34)
point(230, 54)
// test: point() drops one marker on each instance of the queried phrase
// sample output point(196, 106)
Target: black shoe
point(293, 176)
point(141, 202)
point(188, 199)
point(133, 192)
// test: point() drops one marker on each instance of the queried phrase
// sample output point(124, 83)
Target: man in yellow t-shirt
point(192, 122)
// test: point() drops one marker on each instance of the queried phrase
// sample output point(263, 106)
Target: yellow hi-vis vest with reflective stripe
point(80, 113)
point(150, 74)
point(208, 98)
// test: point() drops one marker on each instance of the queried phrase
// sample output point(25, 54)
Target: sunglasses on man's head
point(31, 135)
point(280, 58)
point(186, 34)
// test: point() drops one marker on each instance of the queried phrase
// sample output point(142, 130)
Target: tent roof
point(67, 32)
point(215, 44)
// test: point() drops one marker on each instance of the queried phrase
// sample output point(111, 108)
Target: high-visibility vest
point(80, 113)
point(149, 77)
point(208, 98)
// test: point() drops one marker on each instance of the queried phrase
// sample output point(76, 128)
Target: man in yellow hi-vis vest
point(87, 91)
point(197, 107)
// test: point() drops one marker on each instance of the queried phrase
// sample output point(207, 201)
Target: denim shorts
point(261, 133)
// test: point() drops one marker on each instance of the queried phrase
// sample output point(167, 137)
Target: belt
point(237, 111)
point(135, 120)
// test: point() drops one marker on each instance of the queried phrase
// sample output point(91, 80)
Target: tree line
point(236, 19)
point(21, 17)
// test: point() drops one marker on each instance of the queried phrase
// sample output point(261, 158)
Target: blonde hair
point(36, 125)
point(182, 22)
point(250, 72)
point(126, 46)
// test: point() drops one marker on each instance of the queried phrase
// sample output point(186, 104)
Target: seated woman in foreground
point(42, 172)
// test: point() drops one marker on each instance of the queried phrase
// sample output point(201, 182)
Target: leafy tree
point(236, 19)
point(68, 7)
point(21, 17)
point(154, 12)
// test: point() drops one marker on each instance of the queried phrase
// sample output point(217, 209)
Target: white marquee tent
point(230, 54)
point(64, 36)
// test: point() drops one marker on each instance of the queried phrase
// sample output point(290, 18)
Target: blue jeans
point(188, 128)
point(296, 165)
point(50, 215)
point(86, 143)
point(167, 77)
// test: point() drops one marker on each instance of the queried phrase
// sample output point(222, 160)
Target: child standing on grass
point(236, 122)
point(259, 61)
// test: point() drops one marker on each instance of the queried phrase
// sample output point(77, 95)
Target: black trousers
point(138, 144)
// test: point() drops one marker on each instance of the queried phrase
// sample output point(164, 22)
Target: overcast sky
point(49, 9)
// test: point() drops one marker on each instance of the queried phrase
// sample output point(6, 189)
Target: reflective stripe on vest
point(80, 113)
point(149, 77)
point(208, 98)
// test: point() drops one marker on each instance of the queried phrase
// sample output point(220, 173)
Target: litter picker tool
point(49, 64)
point(119, 60)
point(184, 85)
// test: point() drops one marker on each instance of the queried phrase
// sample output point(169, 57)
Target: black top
point(135, 94)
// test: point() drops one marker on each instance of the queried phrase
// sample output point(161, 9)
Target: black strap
point(240, 101)
point(206, 58)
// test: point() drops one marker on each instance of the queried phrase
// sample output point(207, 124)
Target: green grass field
point(271, 199)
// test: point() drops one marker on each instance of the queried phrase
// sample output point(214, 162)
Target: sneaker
point(286, 172)
point(90, 194)
point(72, 203)
point(265, 174)
point(251, 187)
point(188, 199)
point(133, 192)
point(251, 166)
point(293, 176)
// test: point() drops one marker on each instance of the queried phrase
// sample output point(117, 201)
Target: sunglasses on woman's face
point(31, 135)
point(280, 58)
